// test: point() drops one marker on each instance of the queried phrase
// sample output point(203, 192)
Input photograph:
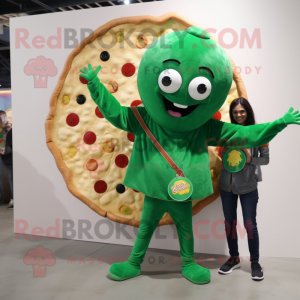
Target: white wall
point(40, 192)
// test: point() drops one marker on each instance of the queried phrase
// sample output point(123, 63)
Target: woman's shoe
point(10, 204)
point(256, 271)
point(231, 264)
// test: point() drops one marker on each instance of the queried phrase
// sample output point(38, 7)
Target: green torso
point(149, 173)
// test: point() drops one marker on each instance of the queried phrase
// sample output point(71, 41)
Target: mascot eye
point(169, 81)
point(36, 68)
point(200, 88)
point(45, 68)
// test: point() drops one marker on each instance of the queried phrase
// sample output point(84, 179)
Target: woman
point(244, 185)
point(6, 154)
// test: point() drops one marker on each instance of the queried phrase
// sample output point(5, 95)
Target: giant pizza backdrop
point(91, 153)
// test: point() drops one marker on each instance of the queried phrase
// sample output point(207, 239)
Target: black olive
point(104, 56)
point(120, 188)
point(81, 99)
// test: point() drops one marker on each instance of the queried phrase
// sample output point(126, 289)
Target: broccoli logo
point(39, 258)
point(40, 68)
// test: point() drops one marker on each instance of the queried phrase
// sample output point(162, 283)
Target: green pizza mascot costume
point(183, 80)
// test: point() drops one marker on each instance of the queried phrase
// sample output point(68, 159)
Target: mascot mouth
point(178, 110)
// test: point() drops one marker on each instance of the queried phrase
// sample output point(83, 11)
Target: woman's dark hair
point(245, 103)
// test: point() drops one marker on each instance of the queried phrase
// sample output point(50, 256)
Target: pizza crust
point(72, 155)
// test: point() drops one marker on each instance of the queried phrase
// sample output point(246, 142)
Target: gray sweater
point(246, 180)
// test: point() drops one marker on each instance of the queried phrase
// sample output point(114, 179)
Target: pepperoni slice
point(217, 115)
point(89, 137)
point(100, 187)
point(92, 164)
point(72, 119)
point(128, 70)
point(83, 80)
point(121, 161)
point(98, 113)
point(136, 103)
point(130, 136)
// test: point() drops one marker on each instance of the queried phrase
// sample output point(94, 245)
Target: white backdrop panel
point(41, 196)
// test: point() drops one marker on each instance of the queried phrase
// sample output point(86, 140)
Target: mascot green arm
point(238, 137)
point(121, 117)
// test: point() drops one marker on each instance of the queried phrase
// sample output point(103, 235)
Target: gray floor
point(83, 279)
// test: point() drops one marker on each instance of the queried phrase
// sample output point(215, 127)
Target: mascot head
point(184, 78)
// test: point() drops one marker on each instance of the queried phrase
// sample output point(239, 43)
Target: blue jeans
point(249, 203)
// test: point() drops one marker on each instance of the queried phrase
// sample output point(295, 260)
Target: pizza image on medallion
point(172, 132)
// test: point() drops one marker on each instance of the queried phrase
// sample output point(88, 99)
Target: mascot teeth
point(180, 106)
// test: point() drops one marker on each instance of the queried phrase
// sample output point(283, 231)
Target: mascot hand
point(88, 73)
point(292, 117)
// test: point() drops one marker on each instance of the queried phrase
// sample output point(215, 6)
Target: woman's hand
point(292, 117)
point(2, 151)
point(88, 73)
point(248, 155)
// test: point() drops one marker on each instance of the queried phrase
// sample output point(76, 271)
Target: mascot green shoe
point(195, 273)
point(123, 271)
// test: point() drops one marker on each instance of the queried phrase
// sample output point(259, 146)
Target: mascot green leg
point(153, 210)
